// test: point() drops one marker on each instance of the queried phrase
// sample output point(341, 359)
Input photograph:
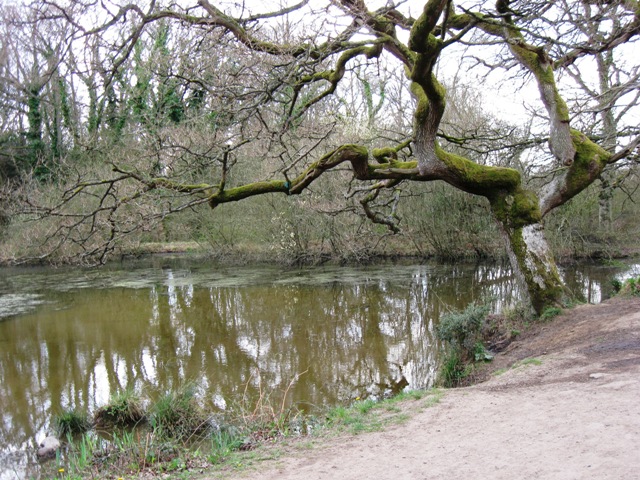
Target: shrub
point(616, 285)
point(452, 370)
point(550, 312)
point(463, 330)
point(630, 286)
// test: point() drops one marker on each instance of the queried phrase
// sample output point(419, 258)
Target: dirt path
point(573, 413)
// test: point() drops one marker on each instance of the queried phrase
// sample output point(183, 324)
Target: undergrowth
point(472, 336)
point(178, 438)
point(629, 287)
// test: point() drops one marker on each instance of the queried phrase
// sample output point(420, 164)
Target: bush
point(549, 313)
point(452, 370)
point(630, 287)
point(463, 330)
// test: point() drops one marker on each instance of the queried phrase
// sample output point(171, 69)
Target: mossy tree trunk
point(534, 265)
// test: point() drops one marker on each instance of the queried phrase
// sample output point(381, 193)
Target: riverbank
point(561, 402)
point(258, 254)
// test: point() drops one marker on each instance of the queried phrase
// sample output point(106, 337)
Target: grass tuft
point(549, 313)
point(123, 410)
point(178, 416)
point(71, 422)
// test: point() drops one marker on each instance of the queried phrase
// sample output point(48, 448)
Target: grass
point(176, 415)
point(549, 313)
point(164, 445)
point(630, 287)
point(528, 361)
point(124, 409)
point(71, 422)
point(453, 369)
point(370, 415)
point(522, 363)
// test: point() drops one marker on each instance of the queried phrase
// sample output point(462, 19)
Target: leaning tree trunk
point(534, 265)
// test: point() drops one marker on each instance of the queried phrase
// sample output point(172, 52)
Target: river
point(70, 338)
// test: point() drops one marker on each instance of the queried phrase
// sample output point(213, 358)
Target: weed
point(409, 395)
point(452, 370)
point(481, 354)
point(71, 422)
point(531, 361)
point(365, 406)
point(392, 408)
point(264, 418)
point(527, 361)
point(616, 284)
point(177, 415)
point(518, 313)
point(365, 416)
point(463, 332)
point(549, 313)
point(630, 287)
point(223, 443)
point(435, 395)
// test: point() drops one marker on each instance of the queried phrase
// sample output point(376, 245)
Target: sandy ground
point(573, 415)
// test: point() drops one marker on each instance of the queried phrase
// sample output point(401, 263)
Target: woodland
point(330, 129)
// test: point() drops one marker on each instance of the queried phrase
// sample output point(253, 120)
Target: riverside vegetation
point(174, 435)
point(439, 222)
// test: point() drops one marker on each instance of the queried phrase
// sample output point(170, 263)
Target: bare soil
point(563, 403)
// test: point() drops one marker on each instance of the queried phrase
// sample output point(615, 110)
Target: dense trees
point(190, 104)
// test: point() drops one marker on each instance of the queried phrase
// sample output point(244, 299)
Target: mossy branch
point(333, 76)
point(429, 93)
point(536, 60)
point(590, 161)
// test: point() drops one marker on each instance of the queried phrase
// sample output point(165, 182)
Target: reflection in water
point(349, 333)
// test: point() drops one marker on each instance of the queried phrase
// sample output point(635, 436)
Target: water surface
point(326, 335)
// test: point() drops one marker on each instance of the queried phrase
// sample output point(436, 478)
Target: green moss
point(552, 292)
point(479, 179)
point(383, 25)
point(422, 107)
point(516, 209)
point(384, 155)
point(589, 161)
point(249, 190)
point(409, 166)
point(178, 187)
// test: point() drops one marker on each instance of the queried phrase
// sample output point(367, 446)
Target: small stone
point(48, 447)
point(596, 375)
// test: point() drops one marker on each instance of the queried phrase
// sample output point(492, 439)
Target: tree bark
point(534, 266)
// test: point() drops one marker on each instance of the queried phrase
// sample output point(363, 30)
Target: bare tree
point(266, 122)
point(609, 86)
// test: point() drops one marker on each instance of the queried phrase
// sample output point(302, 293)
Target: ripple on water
point(19, 303)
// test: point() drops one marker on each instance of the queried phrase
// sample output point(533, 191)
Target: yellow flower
point(357, 398)
point(61, 470)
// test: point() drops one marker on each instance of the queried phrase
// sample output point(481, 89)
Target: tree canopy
point(190, 103)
